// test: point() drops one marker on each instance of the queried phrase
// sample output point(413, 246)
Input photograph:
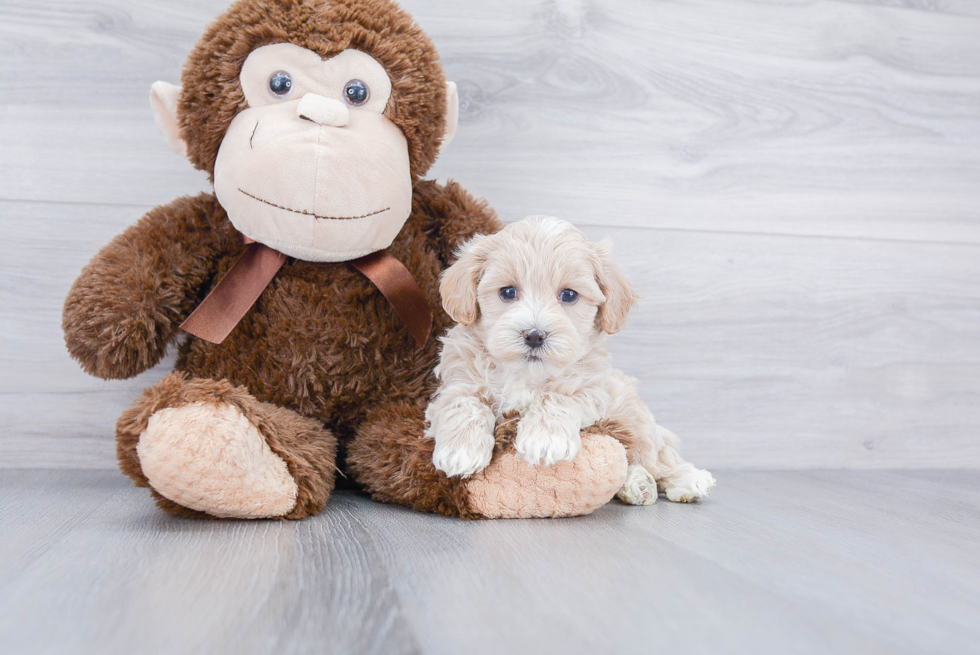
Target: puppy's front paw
point(463, 455)
point(640, 488)
point(540, 443)
point(690, 487)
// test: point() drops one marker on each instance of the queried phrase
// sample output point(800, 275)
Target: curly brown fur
point(321, 341)
point(307, 448)
point(432, 199)
point(616, 430)
point(212, 96)
point(505, 432)
point(124, 308)
point(394, 462)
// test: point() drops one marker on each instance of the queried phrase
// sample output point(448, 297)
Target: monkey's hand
point(126, 305)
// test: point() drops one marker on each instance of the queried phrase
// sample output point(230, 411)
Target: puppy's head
point(538, 291)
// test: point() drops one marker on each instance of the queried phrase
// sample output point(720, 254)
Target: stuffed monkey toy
point(306, 284)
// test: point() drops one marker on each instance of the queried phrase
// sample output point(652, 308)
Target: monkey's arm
point(451, 216)
point(126, 305)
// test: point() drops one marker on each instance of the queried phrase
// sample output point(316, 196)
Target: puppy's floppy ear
point(459, 281)
point(615, 286)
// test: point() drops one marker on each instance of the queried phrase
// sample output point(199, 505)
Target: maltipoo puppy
point(534, 304)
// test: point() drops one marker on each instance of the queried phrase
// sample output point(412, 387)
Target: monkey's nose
point(323, 111)
point(534, 339)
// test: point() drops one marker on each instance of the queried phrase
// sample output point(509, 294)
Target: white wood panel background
point(794, 187)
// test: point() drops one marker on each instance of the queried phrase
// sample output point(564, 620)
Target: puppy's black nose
point(534, 338)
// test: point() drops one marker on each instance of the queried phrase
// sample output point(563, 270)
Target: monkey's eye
point(508, 294)
point(356, 93)
point(280, 84)
point(568, 296)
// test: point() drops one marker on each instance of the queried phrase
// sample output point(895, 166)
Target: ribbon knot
point(236, 292)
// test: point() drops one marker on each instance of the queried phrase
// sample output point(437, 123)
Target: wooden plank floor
point(774, 562)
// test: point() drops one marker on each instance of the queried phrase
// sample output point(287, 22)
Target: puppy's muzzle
point(534, 339)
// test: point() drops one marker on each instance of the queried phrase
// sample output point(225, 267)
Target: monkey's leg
point(209, 448)
point(392, 459)
point(389, 456)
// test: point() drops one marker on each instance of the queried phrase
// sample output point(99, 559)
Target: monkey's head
point(314, 119)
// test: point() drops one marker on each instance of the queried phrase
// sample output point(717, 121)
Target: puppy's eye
point(280, 84)
point(568, 296)
point(356, 93)
point(507, 294)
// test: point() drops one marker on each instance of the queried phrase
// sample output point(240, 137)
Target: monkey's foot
point(209, 457)
point(393, 460)
point(511, 488)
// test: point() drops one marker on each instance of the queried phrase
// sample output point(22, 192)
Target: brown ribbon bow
point(237, 291)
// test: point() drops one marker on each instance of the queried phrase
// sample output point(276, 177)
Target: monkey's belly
point(324, 342)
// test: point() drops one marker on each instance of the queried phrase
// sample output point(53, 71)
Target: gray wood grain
point(816, 562)
point(831, 118)
point(128, 578)
point(792, 186)
point(758, 351)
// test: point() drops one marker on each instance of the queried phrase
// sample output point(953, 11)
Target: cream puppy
point(534, 304)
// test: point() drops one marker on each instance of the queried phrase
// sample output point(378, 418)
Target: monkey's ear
point(163, 99)
point(616, 287)
point(459, 283)
point(452, 115)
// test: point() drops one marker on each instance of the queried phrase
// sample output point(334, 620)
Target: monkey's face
point(312, 167)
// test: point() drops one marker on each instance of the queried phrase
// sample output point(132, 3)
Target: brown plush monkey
point(316, 120)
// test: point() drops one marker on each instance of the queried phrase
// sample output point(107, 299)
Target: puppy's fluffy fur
point(490, 365)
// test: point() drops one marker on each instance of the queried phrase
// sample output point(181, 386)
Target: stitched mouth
point(316, 216)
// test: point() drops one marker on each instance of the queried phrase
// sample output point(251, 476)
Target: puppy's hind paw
point(640, 488)
point(690, 487)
